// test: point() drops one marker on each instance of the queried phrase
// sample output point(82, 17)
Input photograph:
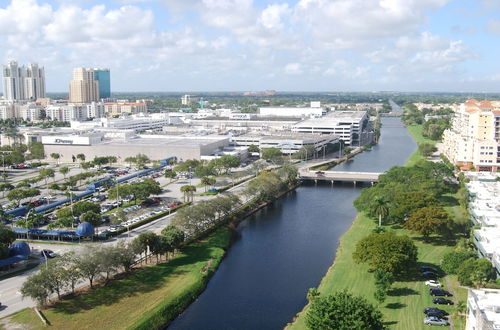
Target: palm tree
point(188, 191)
point(81, 157)
point(207, 181)
point(381, 208)
point(55, 156)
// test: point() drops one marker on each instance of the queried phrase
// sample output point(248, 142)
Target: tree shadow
point(438, 240)
point(390, 323)
point(448, 200)
point(396, 305)
point(398, 292)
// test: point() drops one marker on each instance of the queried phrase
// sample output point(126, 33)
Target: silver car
point(433, 320)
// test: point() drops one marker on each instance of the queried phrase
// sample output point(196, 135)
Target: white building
point(483, 309)
point(30, 112)
point(315, 110)
point(96, 144)
point(348, 125)
point(23, 83)
point(288, 143)
point(7, 110)
point(95, 110)
point(138, 122)
point(67, 112)
point(484, 207)
point(186, 99)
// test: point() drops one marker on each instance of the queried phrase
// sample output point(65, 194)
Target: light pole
point(189, 175)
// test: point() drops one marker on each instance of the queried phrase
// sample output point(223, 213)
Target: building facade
point(483, 309)
point(348, 125)
point(119, 108)
point(23, 82)
point(104, 79)
point(473, 141)
point(83, 88)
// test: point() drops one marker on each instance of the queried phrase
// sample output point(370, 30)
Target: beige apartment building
point(83, 88)
point(119, 108)
point(473, 141)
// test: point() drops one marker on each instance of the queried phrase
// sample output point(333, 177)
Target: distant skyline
point(240, 45)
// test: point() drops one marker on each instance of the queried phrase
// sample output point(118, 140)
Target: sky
point(254, 45)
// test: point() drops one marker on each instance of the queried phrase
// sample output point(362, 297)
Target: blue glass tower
point(104, 79)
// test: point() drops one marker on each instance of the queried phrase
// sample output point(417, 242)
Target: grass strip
point(146, 299)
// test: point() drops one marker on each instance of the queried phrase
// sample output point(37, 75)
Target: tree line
point(98, 262)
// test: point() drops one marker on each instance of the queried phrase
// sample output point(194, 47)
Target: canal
point(285, 249)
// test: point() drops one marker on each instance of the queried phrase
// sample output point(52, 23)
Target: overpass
point(340, 176)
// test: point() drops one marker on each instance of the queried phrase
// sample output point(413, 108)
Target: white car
point(433, 283)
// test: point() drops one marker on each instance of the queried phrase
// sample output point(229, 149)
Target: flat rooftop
point(281, 136)
point(170, 141)
point(488, 301)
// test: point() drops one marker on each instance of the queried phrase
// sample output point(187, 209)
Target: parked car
point(428, 310)
point(432, 320)
point(431, 275)
point(442, 301)
point(439, 292)
point(428, 269)
point(48, 254)
point(433, 283)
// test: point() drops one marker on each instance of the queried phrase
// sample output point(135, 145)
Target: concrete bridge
point(391, 114)
point(340, 176)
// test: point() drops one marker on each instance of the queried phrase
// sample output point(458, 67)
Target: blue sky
point(240, 45)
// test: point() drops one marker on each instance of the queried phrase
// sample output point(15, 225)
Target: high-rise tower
point(104, 79)
point(23, 83)
point(83, 88)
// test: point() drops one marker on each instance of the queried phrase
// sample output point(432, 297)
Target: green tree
point(188, 191)
point(91, 217)
point(88, 262)
point(37, 287)
point(64, 171)
point(17, 195)
point(426, 149)
point(36, 150)
point(7, 235)
point(430, 220)
point(387, 251)
point(81, 157)
point(207, 181)
point(45, 174)
point(83, 207)
point(381, 209)
point(170, 175)
point(342, 311)
point(452, 260)
point(56, 156)
point(253, 148)
point(273, 155)
point(5, 187)
point(475, 272)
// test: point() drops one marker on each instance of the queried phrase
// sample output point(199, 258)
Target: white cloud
point(493, 26)
point(347, 23)
point(293, 69)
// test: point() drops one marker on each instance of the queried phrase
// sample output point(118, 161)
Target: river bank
point(406, 299)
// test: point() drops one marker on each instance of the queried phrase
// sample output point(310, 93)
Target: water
point(286, 249)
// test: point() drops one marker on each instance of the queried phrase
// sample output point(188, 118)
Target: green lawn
point(403, 308)
point(124, 303)
point(416, 133)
